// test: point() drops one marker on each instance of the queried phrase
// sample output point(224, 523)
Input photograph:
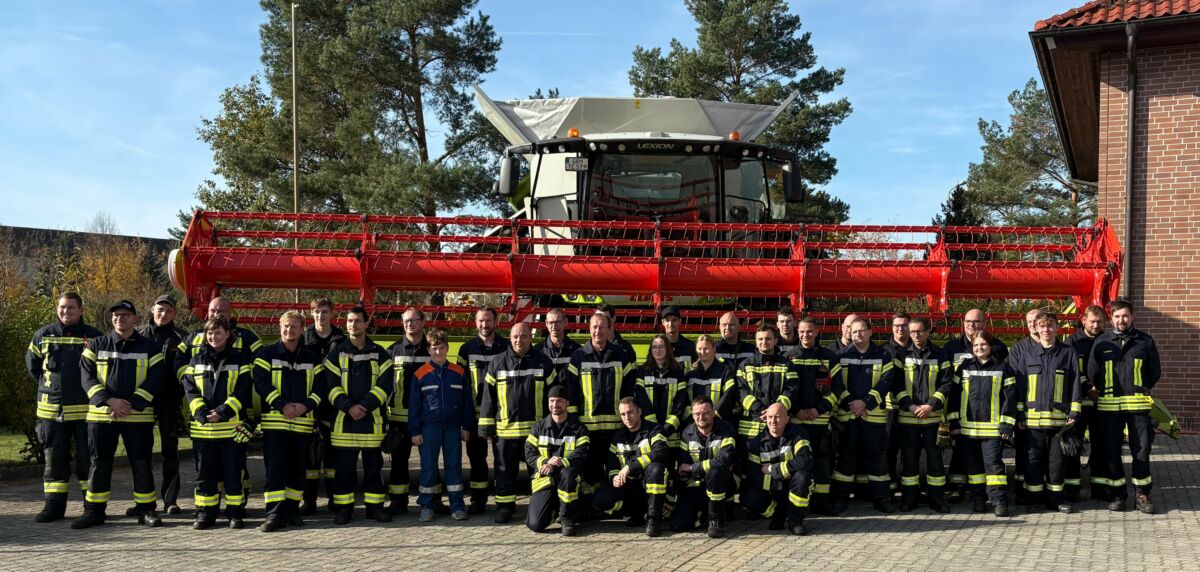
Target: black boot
point(569, 526)
point(938, 504)
point(438, 506)
point(150, 518)
point(237, 516)
point(778, 520)
point(838, 505)
point(478, 504)
point(377, 513)
point(53, 510)
point(399, 505)
point(343, 515)
point(204, 520)
point(292, 513)
point(797, 527)
point(92, 516)
point(504, 513)
point(716, 519)
point(653, 526)
point(272, 524)
point(979, 504)
point(884, 505)
point(908, 503)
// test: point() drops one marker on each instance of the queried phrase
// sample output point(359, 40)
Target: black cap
point(669, 311)
point(124, 305)
point(560, 392)
point(165, 299)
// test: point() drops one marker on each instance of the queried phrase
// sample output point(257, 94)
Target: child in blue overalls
point(441, 416)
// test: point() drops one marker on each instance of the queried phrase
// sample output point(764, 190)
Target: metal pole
point(295, 139)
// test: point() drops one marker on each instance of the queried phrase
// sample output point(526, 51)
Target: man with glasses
point(925, 380)
point(408, 354)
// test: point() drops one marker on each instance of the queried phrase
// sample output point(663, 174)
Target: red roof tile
point(1113, 11)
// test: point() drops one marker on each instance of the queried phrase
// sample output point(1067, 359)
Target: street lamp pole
point(295, 139)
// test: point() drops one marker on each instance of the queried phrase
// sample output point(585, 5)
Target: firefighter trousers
point(863, 451)
point(1141, 438)
point(322, 465)
point(345, 476)
point(480, 479)
point(286, 457)
point(219, 464)
point(822, 454)
point(1045, 470)
point(509, 455)
point(59, 439)
point(554, 494)
point(398, 479)
point(984, 459)
point(701, 497)
point(766, 496)
point(917, 441)
point(168, 419)
point(644, 495)
point(138, 439)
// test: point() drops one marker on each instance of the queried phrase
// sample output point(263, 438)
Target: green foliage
point(752, 51)
point(373, 80)
point(1023, 178)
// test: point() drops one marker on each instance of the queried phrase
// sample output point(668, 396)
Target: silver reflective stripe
point(915, 361)
point(856, 361)
point(360, 357)
point(973, 373)
point(598, 365)
point(424, 387)
point(713, 381)
point(278, 363)
point(105, 354)
point(203, 367)
point(769, 455)
point(660, 380)
point(548, 440)
point(507, 373)
point(478, 357)
point(561, 360)
point(412, 359)
point(453, 386)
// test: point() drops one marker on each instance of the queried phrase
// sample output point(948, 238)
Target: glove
point(396, 435)
point(944, 440)
point(1072, 445)
point(242, 434)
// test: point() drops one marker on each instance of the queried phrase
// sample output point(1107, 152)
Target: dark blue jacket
point(440, 397)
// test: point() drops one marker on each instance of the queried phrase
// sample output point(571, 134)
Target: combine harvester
point(637, 202)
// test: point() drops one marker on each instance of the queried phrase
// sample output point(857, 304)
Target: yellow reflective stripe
point(1137, 372)
point(195, 405)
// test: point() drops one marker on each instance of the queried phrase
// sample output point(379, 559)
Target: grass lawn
point(12, 442)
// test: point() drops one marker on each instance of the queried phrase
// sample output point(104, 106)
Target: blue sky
point(100, 101)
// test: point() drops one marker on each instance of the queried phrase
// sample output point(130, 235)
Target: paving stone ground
point(1093, 539)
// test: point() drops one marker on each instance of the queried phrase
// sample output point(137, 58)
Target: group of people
point(780, 426)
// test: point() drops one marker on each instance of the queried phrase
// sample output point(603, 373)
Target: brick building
point(1085, 58)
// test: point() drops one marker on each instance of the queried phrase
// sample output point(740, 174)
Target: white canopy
point(525, 121)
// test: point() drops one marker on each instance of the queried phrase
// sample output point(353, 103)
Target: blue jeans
point(448, 442)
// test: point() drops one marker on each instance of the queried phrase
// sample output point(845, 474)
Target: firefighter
point(408, 353)
point(219, 393)
point(243, 340)
point(682, 348)
point(1048, 385)
point(556, 450)
point(637, 471)
point(731, 348)
point(120, 374)
point(441, 411)
point(983, 411)
point(818, 385)
point(475, 355)
point(514, 399)
point(52, 360)
point(843, 341)
point(320, 337)
point(867, 374)
point(925, 378)
point(557, 346)
point(360, 378)
point(785, 324)
point(1016, 356)
point(661, 390)
point(168, 402)
point(959, 348)
point(1091, 326)
point(1124, 366)
point(713, 377)
point(900, 338)
point(763, 379)
point(779, 472)
point(598, 378)
point(704, 464)
point(288, 380)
